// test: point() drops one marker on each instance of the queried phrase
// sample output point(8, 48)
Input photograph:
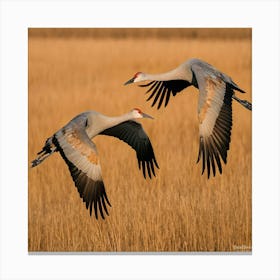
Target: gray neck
point(101, 122)
point(112, 121)
point(179, 73)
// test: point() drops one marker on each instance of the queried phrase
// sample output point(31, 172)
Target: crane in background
point(216, 92)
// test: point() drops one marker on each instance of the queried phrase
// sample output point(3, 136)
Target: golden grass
point(179, 210)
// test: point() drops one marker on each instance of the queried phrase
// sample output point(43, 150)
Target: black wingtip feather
point(167, 97)
point(216, 155)
point(136, 137)
point(152, 167)
point(162, 97)
point(171, 86)
point(148, 168)
point(203, 157)
point(100, 208)
point(157, 96)
point(144, 169)
point(211, 151)
point(95, 209)
point(155, 162)
point(106, 198)
point(90, 209)
point(208, 163)
point(104, 205)
point(157, 85)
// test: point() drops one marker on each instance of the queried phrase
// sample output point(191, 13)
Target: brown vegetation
point(179, 210)
point(183, 33)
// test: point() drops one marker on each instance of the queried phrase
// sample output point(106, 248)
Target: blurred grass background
point(124, 33)
point(74, 70)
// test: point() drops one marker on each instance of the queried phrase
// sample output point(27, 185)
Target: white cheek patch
point(137, 79)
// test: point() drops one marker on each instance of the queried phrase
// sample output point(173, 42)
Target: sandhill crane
point(73, 142)
point(216, 91)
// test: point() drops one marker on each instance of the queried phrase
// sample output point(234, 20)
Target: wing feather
point(162, 96)
point(164, 88)
point(133, 134)
point(154, 91)
point(215, 118)
point(80, 155)
point(167, 96)
point(158, 94)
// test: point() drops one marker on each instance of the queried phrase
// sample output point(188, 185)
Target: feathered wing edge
point(214, 147)
point(162, 90)
point(92, 192)
point(133, 134)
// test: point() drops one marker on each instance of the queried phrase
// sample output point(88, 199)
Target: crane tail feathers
point(244, 103)
point(47, 150)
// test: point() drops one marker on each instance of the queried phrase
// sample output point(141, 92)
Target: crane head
point(138, 114)
point(139, 76)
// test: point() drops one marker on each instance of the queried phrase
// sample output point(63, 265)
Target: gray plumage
point(216, 91)
point(73, 142)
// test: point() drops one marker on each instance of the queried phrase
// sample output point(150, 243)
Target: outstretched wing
point(133, 134)
point(161, 90)
point(80, 154)
point(215, 117)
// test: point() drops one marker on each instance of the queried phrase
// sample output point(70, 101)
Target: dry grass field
point(179, 210)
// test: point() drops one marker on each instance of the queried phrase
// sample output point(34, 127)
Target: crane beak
point(129, 81)
point(147, 116)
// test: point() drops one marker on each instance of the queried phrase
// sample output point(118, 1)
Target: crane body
point(216, 92)
point(73, 142)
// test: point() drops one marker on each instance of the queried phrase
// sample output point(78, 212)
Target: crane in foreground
point(73, 142)
point(216, 91)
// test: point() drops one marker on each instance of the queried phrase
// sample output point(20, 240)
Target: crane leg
point(244, 103)
point(47, 150)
